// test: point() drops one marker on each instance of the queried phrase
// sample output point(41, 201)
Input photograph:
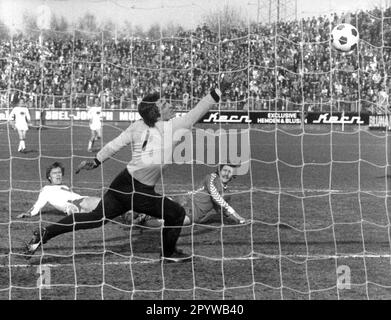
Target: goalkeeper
point(151, 140)
point(60, 196)
point(209, 202)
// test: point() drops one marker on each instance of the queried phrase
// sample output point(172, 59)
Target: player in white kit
point(20, 119)
point(95, 117)
point(60, 196)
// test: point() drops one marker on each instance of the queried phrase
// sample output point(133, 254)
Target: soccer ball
point(344, 37)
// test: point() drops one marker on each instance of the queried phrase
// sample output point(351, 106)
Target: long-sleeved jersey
point(59, 196)
point(152, 147)
point(210, 196)
point(21, 116)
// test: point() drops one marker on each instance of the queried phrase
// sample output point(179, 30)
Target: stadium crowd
point(290, 64)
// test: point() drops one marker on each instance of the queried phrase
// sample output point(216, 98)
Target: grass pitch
point(318, 199)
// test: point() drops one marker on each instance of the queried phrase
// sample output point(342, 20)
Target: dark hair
point(148, 109)
point(221, 166)
point(53, 166)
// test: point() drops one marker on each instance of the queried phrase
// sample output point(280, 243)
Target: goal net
point(314, 178)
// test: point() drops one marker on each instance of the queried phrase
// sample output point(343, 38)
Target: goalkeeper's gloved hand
point(88, 165)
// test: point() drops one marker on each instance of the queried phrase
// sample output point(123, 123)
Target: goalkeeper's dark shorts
point(126, 193)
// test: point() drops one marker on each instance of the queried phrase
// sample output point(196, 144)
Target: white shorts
point(95, 127)
point(21, 127)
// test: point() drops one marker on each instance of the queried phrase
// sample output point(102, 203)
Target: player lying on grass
point(60, 196)
point(210, 204)
point(152, 140)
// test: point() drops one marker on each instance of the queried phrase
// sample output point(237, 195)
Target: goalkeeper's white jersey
point(59, 196)
point(94, 114)
point(152, 148)
point(21, 116)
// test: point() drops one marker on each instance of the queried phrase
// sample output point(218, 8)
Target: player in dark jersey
point(209, 203)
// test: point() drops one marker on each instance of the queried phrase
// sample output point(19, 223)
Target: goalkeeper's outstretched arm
point(202, 107)
point(111, 148)
point(186, 121)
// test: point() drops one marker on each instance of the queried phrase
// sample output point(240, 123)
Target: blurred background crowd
point(286, 66)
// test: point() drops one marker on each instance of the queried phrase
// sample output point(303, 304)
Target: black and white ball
point(344, 37)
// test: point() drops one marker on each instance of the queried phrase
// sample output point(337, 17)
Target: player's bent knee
point(89, 203)
point(71, 209)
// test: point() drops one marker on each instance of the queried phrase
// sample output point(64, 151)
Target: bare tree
point(153, 32)
point(139, 31)
point(58, 23)
point(29, 21)
point(224, 19)
point(88, 23)
point(171, 29)
point(4, 31)
point(127, 29)
point(108, 28)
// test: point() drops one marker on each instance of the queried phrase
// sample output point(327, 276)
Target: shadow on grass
point(27, 151)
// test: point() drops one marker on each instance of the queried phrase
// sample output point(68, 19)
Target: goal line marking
point(254, 257)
